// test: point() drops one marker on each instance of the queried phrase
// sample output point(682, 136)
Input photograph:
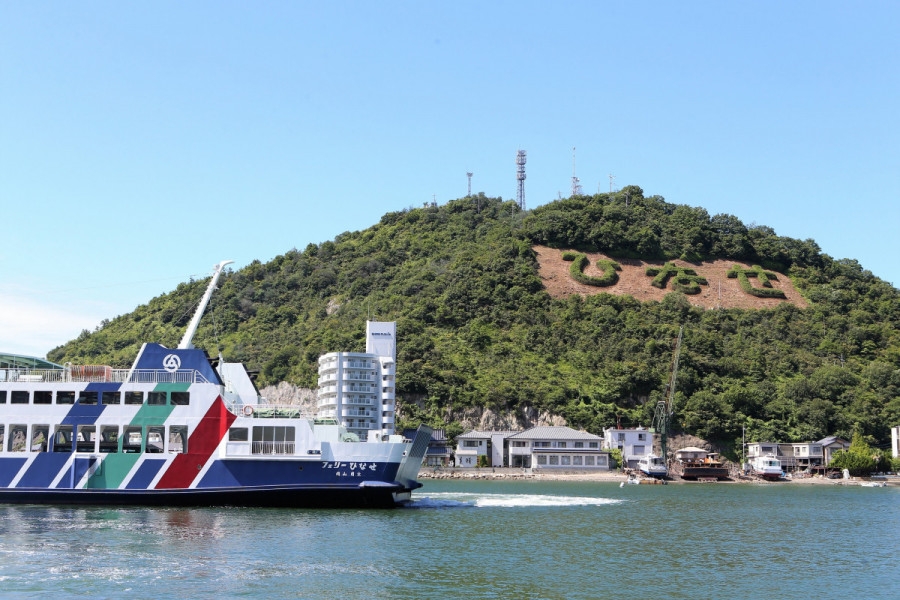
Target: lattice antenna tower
point(520, 179)
point(469, 175)
point(576, 183)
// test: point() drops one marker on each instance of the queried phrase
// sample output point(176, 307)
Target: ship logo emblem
point(171, 363)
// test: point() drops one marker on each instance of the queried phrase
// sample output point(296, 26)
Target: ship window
point(269, 439)
point(88, 397)
point(111, 398)
point(39, 437)
point(156, 398)
point(17, 438)
point(134, 397)
point(178, 439)
point(238, 434)
point(589, 461)
point(65, 397)
point(87, 435)
point(576, 460)
point(3, 397)
point(109, 438)
point(1, 437)
point(62, 439)
point(133, 440)
point(18, 397)
point(181, 398)
point(155, 439)
point(43, 397)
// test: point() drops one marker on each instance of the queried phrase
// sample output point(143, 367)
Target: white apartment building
point(357, 389)
point(895, 441)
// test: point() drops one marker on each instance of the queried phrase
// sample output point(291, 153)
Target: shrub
point(684, 280)
point(580, 263)
point(765, 280)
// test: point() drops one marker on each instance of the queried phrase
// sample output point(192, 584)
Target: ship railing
point(272, 448)
point(273, 411)
point(101, 374)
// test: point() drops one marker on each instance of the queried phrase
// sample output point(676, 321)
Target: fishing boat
point(178, 428)
point(767, 467)
point(653, 466)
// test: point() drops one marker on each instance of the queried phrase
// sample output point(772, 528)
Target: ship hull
point(296, 496)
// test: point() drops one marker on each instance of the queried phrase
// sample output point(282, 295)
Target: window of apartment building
point(577, 461)
point(554, 460)
point(542, 444)
point(592, 444)
point(579, 444)
point(541, 459)
point(471, 443)
point(620, 437)
point(560, 444)
point(589, 461)
point(642, 437)
point(565, 460)
point(639, 450)
point(519, 444)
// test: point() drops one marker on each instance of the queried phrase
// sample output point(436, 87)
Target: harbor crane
point(662, 417)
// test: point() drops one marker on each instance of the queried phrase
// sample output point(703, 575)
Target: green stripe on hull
point(116, 467)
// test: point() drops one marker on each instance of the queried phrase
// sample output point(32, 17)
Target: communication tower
point(576, 183)
point(520, 177)
point(469, 175)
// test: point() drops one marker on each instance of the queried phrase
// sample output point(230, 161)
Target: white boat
point(653, 466)
point(767, 467)
point(873, 484)
point(178, 428)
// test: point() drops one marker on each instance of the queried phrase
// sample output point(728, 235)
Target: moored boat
point(178, 428)
point(653, 466)
point(697, 463)
point(767, 467)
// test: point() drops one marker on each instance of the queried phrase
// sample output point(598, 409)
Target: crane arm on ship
point(665, 408)
point(201, 308)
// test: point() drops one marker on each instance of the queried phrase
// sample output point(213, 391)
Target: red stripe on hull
point(207, 436)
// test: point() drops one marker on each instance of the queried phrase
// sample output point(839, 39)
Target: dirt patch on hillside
point(721, 292)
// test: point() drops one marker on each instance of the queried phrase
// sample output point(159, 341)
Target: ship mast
point(201, 308)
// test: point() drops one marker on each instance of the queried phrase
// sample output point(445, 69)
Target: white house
point(472, 444)
point(556, 448)
point(356, 389)
point(634, 443)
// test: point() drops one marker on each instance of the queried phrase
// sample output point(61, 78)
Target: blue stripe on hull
point(44, 469)
point(74, 474)
point(145, 474)
point(228, 473)
point(9, 468)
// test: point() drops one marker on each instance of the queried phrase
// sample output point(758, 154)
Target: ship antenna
point(195, 320)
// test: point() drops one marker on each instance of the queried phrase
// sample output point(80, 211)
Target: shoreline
point(510, 474)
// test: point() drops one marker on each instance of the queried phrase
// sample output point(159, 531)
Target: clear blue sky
point(142, 142)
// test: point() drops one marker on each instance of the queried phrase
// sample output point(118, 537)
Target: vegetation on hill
point(476, 328)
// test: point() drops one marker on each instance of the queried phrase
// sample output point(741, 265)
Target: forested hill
point(477, 328)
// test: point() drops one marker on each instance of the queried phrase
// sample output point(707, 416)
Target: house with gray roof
point(832, 444)
point(556, 448)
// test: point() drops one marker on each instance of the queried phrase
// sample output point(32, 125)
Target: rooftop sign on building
point(381, 338)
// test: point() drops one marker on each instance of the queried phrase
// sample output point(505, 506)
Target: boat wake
point(458, 500)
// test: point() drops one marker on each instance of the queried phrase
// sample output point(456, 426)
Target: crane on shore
point(662, 417)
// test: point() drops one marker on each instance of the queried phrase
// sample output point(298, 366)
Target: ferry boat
point(653, 466)
point(181, 429)
point(767, 467)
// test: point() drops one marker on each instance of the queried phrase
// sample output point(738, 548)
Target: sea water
point(474, 539)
